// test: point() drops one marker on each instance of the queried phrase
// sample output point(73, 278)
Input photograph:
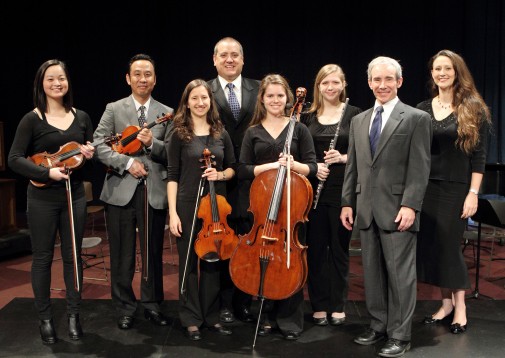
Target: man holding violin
point(135, 192)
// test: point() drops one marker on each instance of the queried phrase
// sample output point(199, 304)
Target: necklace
point(442, 106)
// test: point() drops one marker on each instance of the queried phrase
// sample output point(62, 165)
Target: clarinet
point(332, 146)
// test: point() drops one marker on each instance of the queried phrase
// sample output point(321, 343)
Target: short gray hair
point(383, 60)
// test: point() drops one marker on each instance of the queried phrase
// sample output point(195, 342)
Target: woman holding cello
point(196, 127)
point(262, 150)
point(53, 123)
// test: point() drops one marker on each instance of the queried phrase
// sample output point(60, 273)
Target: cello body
point(259, 264)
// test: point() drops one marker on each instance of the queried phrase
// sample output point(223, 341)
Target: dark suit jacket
point(397, 176)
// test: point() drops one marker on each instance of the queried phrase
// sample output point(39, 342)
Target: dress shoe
point(222, 330)
point(194, 335)
point(456, 328)
point(291, 335)
point(334, 321)
point(394, 348)
point(244, 314)
point(264, 329)
point(47, 331)
point(156, 317)
point(74, 326)
point(431, 320)
point(369, 337)
point(320, 321)
point(226, 316)
point(125, 322)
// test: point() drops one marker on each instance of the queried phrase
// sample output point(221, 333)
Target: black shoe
point(394, 348)
point(244, 314)
point(47, 331)
point(74, 327)
point(456, 328)
point(431, 320)
point(291, 335)
point(369, 337)
point(222, 330)
point(264, 329)
point(320, 321)
point(334, 321)
point(194, 335)
point(226, 316)
point(156, 317)
point(125, 322)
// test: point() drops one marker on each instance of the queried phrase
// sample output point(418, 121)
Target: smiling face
point(141, 79)
point(383, 82)
point(228, 59)
point(331, 87)
point(55, 82)
point(443, 72)
point(199, 102)
point(275, 99)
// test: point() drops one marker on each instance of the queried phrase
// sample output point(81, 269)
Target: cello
point(269, 262)
point(216, 240)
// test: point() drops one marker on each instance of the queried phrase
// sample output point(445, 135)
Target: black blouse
point(448, 161)
point(322, 135)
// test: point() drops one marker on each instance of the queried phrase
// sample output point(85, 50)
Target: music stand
point(490, 212)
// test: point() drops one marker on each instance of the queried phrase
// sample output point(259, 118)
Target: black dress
point(440, 259)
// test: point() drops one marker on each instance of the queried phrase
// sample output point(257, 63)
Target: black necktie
point(142, 118)
point(375, 131)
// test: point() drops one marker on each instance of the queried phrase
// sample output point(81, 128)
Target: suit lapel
point(364, 135)
point(394, 120)
point(131, 112)
point(220, 98)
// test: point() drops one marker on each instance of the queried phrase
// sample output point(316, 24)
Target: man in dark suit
point(235, 112)
point(124, 193)
point(387, 171)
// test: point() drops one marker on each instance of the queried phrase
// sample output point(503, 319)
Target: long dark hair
point(39, 96)
point(183, 124)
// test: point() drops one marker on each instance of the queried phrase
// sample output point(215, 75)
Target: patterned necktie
point(142, 118)
point(232, 100)
point(375, 131)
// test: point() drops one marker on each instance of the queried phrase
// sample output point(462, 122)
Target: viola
point(269, 261)
point(216, 240)
point(69, 156)
point(129, 144)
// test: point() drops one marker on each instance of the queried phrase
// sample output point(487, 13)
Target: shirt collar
point(237, 82)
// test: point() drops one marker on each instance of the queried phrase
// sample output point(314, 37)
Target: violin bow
point(77, 281)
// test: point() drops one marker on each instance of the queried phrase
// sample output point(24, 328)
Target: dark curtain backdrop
point(97, 38)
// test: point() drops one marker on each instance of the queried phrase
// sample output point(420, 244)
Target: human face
point(228, 60)
point(199, 102)
point(55, 82)
point(443, 73)
point(331, 87)
point(141, 79)
point(275, 99)
point(384, 83)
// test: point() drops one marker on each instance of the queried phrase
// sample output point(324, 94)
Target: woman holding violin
point(328, 120)
point(53, 123)
point(263, 150)
point(196, 128)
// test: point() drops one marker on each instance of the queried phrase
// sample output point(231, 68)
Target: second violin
point(216, 240)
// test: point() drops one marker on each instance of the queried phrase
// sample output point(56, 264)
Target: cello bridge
point(268, 238)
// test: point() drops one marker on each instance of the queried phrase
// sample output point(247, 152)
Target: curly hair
point(183, 123)
point(469, 108)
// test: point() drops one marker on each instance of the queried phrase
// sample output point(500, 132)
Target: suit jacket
point(236, 128)
point(119, 186)
point(397, 176)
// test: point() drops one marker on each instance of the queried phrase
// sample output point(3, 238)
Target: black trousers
point(122, 222)
point(327, 259)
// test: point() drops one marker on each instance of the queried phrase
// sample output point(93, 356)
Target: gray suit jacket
point(120, 185)
point(397, 176)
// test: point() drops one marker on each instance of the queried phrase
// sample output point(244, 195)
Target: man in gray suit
point(229, 60)
point(387, 171)
point(124, 191)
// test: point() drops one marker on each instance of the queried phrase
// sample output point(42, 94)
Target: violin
point(129, 144)
point(216, 240)
point(69, 156)
point(269, 262)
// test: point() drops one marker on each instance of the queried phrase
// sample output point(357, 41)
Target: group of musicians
point(235, 142)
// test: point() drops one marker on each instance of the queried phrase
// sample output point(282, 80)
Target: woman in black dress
point(458, 156)
point(196, 127)
point(53, 123)
point(327, 240)
point(262, 150)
